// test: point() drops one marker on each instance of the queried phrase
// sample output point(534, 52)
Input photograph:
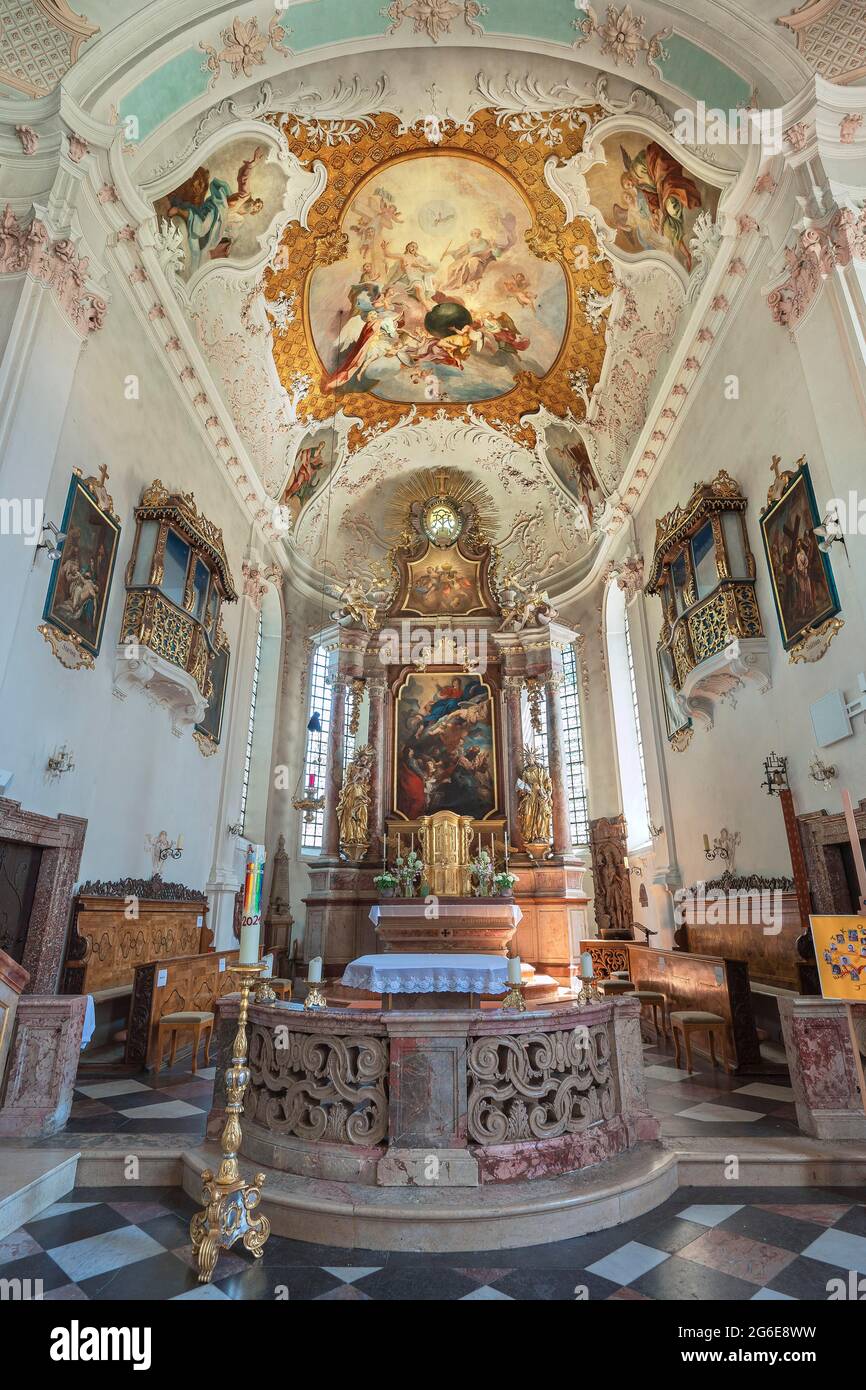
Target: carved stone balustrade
point(493, 1096)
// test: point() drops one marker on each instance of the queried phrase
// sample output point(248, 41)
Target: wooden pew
point(106, 944)
point(717, 984)
point(173, 985)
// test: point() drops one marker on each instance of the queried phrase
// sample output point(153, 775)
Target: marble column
point(556, 764)
point(514, 750)
point(376, 689)
point(334, 770)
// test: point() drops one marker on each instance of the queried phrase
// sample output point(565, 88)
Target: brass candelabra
point(514, 1000)
point(229, 1198)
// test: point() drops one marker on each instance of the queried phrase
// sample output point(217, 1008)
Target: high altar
point(451, 690)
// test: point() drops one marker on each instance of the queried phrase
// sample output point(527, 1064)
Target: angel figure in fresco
point(584, 479)
point(375, 218)
point(656, 187)
point(520, 289)
point(211, 209)
point(535, 805)
point(304, 480)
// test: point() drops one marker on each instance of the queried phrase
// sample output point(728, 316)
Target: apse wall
point(715, 781)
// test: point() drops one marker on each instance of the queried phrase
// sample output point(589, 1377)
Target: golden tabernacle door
point(445, 842)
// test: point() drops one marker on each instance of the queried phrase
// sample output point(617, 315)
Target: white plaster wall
point(132, 777)
point(716, 781)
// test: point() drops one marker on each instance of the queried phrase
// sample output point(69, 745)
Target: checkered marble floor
point(709, 1101)
point(731, 1243)
point(172, 1102)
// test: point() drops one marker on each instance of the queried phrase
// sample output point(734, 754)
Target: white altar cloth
point(417, 907)
point(426, 974)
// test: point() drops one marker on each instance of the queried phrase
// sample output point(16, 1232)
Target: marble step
point(32, 1180)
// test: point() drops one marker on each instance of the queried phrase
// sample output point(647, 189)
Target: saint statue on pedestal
point(535, 806)
point(353, 805)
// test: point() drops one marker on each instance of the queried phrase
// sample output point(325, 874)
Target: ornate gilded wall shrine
point(446, 699)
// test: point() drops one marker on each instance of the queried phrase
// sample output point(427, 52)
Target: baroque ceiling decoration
point(831, 35)
point(458, 332)
point(39, 42)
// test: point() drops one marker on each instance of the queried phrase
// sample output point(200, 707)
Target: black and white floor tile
point(702, 1244)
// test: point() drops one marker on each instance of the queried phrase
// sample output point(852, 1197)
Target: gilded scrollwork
point(318, 1087)
point(539, 1085)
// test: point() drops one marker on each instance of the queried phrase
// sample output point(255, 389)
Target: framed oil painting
point(676, 718)
point(840, 950)
point(81, 576)
point(442, 583)
point(444, 746)
point(218, 670)
point(803, 588)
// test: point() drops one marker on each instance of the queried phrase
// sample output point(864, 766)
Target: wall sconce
point(820, 772)
point(236, 829)
point(829, 533)
point(775, 775)
point(724, 846)
point(655, 830)
point(162, 848)
point(634, 869)
point(62, 760)
point(54, 544)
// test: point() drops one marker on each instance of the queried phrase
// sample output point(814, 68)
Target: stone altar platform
point(441, 1099)
point(458, 924)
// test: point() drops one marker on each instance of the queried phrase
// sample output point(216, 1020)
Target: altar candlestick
point(586, 969)
point(492, 849)
point(506, 851)
point(514, 970)
point(412, 843)
point(398, 844)
point(314, 971)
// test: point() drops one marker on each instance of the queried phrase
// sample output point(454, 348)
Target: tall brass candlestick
point(229, 1198)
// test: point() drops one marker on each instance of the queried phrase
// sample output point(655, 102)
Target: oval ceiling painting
point(439, 298)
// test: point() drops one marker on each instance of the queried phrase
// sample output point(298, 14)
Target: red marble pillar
point(514, 746)
point(376, 688)
point(556, 764)
point(334, 770)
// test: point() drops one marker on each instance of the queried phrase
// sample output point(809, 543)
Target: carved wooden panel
point(613, 906)
point(106, 946)
point(713, 983)
point(171, 986)
point(762, 930)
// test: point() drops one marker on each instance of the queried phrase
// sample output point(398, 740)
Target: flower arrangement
point(386, 883)
point(410, 871)
point(482, 871)
point(504, 882)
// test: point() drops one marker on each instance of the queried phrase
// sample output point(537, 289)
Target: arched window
point(316, 756)
point(572, 738)
point(258, 755)
point(626, 715)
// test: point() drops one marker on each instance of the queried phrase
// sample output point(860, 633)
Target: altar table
point(432, 973)
point(466, 926)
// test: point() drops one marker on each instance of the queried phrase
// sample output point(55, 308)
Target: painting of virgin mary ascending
point(444, 753)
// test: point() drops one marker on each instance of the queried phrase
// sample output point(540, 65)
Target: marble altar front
point(462, 924)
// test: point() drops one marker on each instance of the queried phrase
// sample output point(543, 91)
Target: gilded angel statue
point(530, 608)
point(355, 606)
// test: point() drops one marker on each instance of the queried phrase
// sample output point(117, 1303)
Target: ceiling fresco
point(437, 278)
point(439, 298)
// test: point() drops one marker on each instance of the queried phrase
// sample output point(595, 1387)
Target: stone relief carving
point(613, 905)
point(319, 1086)
point(244, 47)
point(539, 1085)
